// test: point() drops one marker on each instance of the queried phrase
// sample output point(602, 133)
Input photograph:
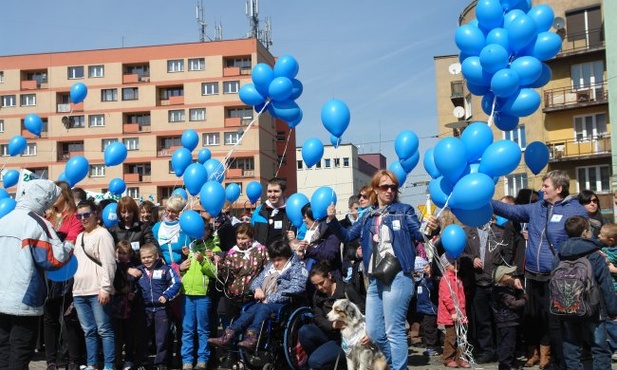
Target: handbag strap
point(86, 253)
point(376, 243)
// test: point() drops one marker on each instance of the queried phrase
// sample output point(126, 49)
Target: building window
point(171, 168)
point(96, 120)
point(28, 100)
point(176, 115)
point(9, 100)
point(517, 135)
point(30, 150)
point(327, 163)
point(133, 192)
point(231, 87)
point(515, 182)
point(212, 138)
point(594, 178)
point(337, 162)
point(75, 72)
point(589, 127)
point(77, 122)
point(97, 170)
point(176, 65)
point(96, 71)
point(1, 125)
point(210, 88)
point(243, 163)
point(244, 113)
point(232, 138)
point(172, 91)
point(345, 161)
point(1, 77)
point(106, 142)
point(585, 27)
point(130, 93)
point(197, 64)
point(299, 165)
point(109, 95)
point(242, 62)
point(4, 149)
point(587, 77)
point(131, 143)
point(197, 114)
point(140, 118)
point(318, 165)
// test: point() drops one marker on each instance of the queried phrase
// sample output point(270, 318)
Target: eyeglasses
point(83, 216)
point(593, 200)
point(168, 210)
point(385, 187)
point(363, 196)
point(245, 219)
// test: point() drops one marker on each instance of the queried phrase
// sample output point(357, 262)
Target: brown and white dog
point(359, 356)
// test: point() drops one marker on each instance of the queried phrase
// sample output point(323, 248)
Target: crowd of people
point(145, 294)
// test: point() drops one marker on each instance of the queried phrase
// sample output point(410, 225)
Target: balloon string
point(444, 206)
point(284, 152)
point(491, 117)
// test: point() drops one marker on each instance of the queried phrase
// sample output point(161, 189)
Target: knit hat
point(446, 259)
point(502, 271)
point(420, 264)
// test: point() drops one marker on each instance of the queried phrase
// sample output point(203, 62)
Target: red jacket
point(445, 307)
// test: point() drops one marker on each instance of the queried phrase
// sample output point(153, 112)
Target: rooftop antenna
point(201, 21)
point(218, 31)
point(264, 35)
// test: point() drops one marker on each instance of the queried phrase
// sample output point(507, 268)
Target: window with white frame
point(9, 100)
point(345, 161)
point(594, 178)
point(171, 168)
point(130, 93)
point(231, 87)
point(96, 71)
point(210, 88)
point(96, 120)
point(28, 100)
point(337, 162)
point(109, 95)
point(589, 127)
point(585, 75)
point(197, 64)
point(243, 163)
point(30, 150)
point(97, 170)
point(299, 164)
point(133, 192)
point(4, 149)
point(106, 142)
point(232, 138)
point(211, 138)
point(77, 122)
point(327, 163)
point(515, 182)
point(244, 113)
point(1, 77)
point(131, 143)
point(197, 114)
point(517, 135)
point(75, 72)
point(176, 115)
point(1, 125)
point(176, 65)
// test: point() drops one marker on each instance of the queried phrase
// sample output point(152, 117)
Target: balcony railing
point(567, 98)
point(585, 148)
point(64, 108)
point(573, 43)
point(131, 78)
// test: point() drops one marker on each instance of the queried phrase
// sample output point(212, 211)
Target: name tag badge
point(278, 225)
point(157, 274)
point(556, 218)
point(396, 224)
point(419, 290)
point(135, 246)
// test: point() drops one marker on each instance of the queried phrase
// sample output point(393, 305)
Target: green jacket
point(195, 280)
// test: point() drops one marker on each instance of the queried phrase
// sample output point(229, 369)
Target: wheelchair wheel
point(295, 355)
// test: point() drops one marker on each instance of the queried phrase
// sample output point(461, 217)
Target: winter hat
point(502, 271)
point(446, 259)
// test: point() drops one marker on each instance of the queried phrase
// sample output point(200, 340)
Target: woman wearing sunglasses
point(590, 201)
point(387, 232)
point(93, 287)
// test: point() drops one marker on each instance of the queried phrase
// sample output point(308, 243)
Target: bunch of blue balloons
point(502, 54)
point(406, 147)
point(277, 87)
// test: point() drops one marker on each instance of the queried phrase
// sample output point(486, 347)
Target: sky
point(376, 56)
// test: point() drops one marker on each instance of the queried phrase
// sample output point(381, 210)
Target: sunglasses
point(386, 187)
point(594, 200)
point(83, 216)
point(363, 196)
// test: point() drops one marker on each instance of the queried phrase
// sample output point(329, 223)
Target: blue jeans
point(254, 316)
point(611, 332)
point(322, 351)
point(591, 332)
point(386, 313)
point(196, 320)
point(95, 321)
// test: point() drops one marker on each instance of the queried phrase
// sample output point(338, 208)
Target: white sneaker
point(614, 357)
point(128, 365)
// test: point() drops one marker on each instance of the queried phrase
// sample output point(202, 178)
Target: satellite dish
point(559, 23)
point(458, 112)
point(454, 68)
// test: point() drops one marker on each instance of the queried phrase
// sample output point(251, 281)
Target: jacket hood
point(38, 196)
point(577, 247)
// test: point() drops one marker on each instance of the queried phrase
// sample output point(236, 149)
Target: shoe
point(224, 340)
point(464, 364)
point(228, 362)
point(52, 366)
point(187, 366)
point(250, 340)
point(452, 364)
point(201, 366)
point(533, 356)
point(545, 356)
point(614, 357)
point(431, 352)
point(484, 359)
point(109, 367)
point(128, 365)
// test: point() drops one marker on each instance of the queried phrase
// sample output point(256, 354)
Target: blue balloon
point(117, 186)
point(543, 16)
point(476, 137)
point(454, 240)
point(181, 192)
point(321, 200)
point(286, 66)
point(262, 75)
point(180, 160)
point(469, 39)
point(6, 206)
point(250, 96)
point(253, 191)
point(297, 89)
point(78, 92)
point(216, 170)
point(110, 215)
point(76, 169)
point(536, 156)
point(288, 110)
point(474, 73)
point(10, 178)
point(203, 155)
point(280, 89)
point(232, 192)
point(544, 78)
point(500, 158)
point(450, 158)
point(440, 189)
point(335, 117)
point(189, 139)
point(212, 197)
point(510, 17)
point(115, 154)
point(399, 172)
point(429, 163)
point(410, 163)
point(406, 144)
point(489, 14)
point(65, 272)
point(505, 122)
point(293, 208)
point(17, 145)
point(494, 57)
point(192, 224)
point(4, 194)
point(195, 177)
point(498, 36)
point(487, 103)
point(34, 124)
point(524, 5)
point(478, 90)
point(546, 46)
point(522, 104)
point(335, 141)
point(508, 5)
point(312, 151)
point(521, 32)
point(505, 83)
point(472, 191)
point(475, 217)
point(527, 68)
point(296, 121)
point(62, 177)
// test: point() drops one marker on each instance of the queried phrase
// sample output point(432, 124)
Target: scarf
point(275, 210)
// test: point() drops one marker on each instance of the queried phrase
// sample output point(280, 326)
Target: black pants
point(57, 328)
point(158, 322)
point(483, 322)
point(507, 346)
point(429, 329)
point(17, 340)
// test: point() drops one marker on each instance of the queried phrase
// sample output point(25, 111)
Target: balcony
point(173, 100)
point(237, 121)
point(77, 107)
point(581, 43)
point(167, 152)
point(131, 128)
point(566, 98)
point(63, 108)
point(572, 149)
point(132, 78)
point(132, 177)
point(65, 155)
point(29, 85)
point(231, 71)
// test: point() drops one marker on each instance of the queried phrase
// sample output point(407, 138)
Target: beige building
point(145, 97)
point(573, 119)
